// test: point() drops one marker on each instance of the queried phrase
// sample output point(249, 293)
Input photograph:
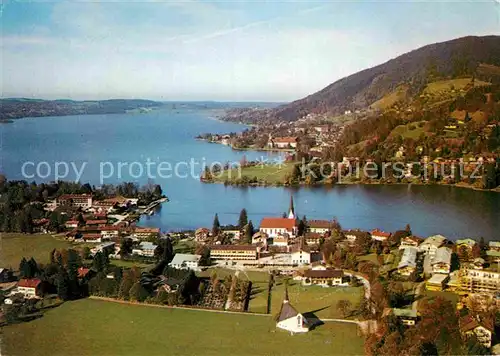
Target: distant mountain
point(16, 108)
point(467, 56)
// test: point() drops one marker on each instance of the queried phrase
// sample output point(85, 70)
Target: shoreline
point(303, 185)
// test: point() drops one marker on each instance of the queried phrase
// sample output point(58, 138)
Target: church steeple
point(291, 210)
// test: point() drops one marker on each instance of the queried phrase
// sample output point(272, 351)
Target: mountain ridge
point(449, 59)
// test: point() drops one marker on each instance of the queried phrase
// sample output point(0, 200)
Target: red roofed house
point(380, 235)
point(283, 142)
point(29, 287)
point(319, 226)
point(275, 227)
point(95, 223)
point(82, 272)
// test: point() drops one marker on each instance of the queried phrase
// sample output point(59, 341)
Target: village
point(213, 268)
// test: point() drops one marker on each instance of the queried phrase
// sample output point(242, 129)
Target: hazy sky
point(189, 50)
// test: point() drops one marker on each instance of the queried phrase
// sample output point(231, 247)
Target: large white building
point(300, 255)
point(441, 261)
point(185, 261)
point(145, 248)
point(77, 200)
point(408, 262)
point(431, 244)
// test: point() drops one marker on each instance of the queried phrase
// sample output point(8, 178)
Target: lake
point(102, 142)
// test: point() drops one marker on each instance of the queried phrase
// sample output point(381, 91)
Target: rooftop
point(180, 258)
point(319, 224)
point(468, 242)
point(437, 278)
point(443, 255)
point(435, 240)
point(29, 283)
point(234, 247)
point(328, 273)
point(277, 223)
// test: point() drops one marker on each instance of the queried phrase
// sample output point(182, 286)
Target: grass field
point(311, 299)
point(322, 302)
point(270, 173)
point(392, 98)
point(404, 130)
point(14, 246)
point(130, 264)
point(91, 327)
point(446, 85)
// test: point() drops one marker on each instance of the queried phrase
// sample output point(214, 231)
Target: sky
point(225, 50)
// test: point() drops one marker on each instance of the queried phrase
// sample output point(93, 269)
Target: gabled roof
point(409, 258)
point(287, 311)
point(468, 323)
point(443, 255)
point(494, 244)
point(179, 258)
point(29, 283)
point(435, 240)
point(328, 273)
point(378, 232)
point(468, 242)
point(277, 223)
point(319, 224)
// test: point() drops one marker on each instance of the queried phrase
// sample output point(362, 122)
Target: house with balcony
point(441, 261)
point(473, 326)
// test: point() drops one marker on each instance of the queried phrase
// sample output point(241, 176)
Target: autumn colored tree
point(344, 306)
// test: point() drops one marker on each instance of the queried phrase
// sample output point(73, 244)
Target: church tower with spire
point(291, 211)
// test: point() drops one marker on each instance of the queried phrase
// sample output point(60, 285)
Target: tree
point(157, 191)
point(216, 226)
point(138, 292)
point(344, 306)
point(100, 262)
point(249, 231)
point(80, 219)
point(204, 252)
point(165, 250)
point(126, 247)
point(62, 285)
point(128, 280)
point(243, 219)
point(302, 226)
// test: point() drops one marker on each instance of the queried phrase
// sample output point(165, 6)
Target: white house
point(408, 261)
point(431, 244)
point(319, 226)
point(380, 235)
point(145, 248)
point(301, 255)
point(108, 246)
point(441, 261)
point(28, 287)
point(185, 261)
point(409, 241)
point(290, 319)
point(471, 326)
point(274, 227)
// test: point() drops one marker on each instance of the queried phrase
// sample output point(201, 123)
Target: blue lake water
point(167, 136)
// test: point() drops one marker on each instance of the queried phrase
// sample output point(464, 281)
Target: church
point(276, 227)
point(290, 319)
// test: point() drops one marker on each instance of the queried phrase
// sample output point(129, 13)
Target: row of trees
point(244, 225)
